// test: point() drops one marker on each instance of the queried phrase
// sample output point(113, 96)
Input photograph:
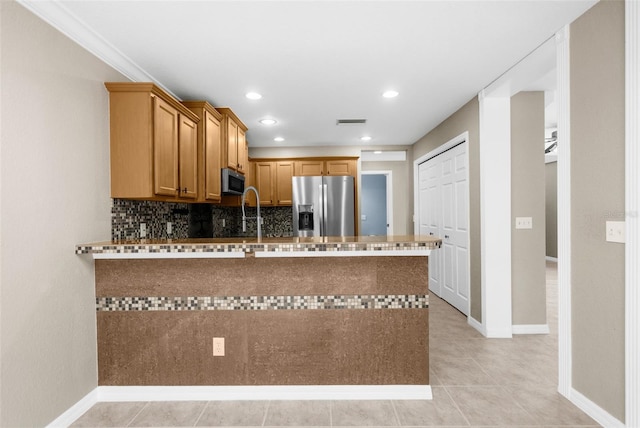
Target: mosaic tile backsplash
point(262, 303)
point(127, 215)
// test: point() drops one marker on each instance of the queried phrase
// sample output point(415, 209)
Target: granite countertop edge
point(252, 245)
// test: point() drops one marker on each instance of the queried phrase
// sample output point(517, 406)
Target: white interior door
point(430, 217)
point(444, 212)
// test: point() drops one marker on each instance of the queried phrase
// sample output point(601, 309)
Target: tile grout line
point(395, 412)
point(138, 414)
point(330, 413)
point(266, 411)
point(455, 403)
point(195, 424)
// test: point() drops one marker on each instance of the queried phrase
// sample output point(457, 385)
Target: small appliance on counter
point(323, 206)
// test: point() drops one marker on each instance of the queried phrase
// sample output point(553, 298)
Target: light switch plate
point(524, 223)
point(169, 228)
point(615, 231)
point(143, 230)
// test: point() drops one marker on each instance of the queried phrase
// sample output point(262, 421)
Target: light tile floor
point(475, 382)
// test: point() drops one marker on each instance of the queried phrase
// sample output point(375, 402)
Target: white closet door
point(444, 212)
point(430, 216)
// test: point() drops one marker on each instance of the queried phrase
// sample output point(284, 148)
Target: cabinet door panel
point(284, 173)
point(165, 148)
point(264, 182)
point(243, 151)
point(310, 167)
point(232, 144)
point(212, 158)
point(340, 167)
point(188, 158)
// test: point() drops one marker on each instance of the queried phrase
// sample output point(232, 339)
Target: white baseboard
point(477, 325)
point(267, 392)
point(594, 411)
point(552, 259)
point(530, 329)
point(75, 411)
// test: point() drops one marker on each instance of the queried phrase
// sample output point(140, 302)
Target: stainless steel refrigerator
point(323, 206)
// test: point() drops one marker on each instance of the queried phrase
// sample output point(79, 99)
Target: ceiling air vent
point(342, 122)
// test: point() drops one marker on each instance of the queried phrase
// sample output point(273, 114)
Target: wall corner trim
point(632, 208)
point(594, 411)
point(564, 212)
point(264, 392)
point(75, 411)
point(530, 329)
point(477, 325)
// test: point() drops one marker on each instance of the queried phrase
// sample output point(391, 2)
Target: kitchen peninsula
point(337, 311)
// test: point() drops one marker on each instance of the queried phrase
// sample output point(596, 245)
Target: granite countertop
point(265, 247)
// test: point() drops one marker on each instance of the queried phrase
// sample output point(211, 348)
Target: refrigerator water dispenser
point(305, 217)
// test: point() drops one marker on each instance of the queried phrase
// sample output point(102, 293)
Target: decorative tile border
point(262, 303)
point(128, 248)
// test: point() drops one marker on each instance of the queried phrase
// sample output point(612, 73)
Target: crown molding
point(62, 19)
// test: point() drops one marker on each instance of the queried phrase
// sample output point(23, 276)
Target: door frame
point(389, 175)
point(462, 138)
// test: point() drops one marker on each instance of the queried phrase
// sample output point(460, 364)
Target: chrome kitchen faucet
point(257, 217)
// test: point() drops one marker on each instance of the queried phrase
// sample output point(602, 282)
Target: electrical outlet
point(169, 228)
point(524, 223)
point(218, 346)
point(224, 223)
point(143, 230)
point(615, 231)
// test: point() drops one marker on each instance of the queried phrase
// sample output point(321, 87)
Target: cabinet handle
point(446, 236)
point(185, 190)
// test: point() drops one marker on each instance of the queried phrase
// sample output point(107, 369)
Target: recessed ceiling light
point(377, 152)
point(390, 94)
point(278, 139)
point(365, 138)
point(253, 95)
point(268, 121)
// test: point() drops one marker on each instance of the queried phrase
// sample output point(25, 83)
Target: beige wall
point(465, 119)
point(528, 282)
point(55, 194)
point(597, 195)
point(551, 196)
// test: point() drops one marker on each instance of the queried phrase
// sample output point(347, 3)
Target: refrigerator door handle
point(325, 210)
point(321, 209)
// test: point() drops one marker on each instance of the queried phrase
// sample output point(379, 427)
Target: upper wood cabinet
point(234, 144)
point(153, 144)
point(341, 167)
point(265, 181)
point(284, 173)
point(208, 150)
point(273, 181)
point(326, 166)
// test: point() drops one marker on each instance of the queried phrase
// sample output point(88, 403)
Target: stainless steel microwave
point(232, 182)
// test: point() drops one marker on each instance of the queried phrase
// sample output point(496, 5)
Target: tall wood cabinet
point(208, 150)
point(153, 144)
point(235, 149)
point(273, 181)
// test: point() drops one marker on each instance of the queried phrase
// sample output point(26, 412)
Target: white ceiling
point(318, 61)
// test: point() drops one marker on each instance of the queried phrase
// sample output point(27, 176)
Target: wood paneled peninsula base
point(342, 311)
